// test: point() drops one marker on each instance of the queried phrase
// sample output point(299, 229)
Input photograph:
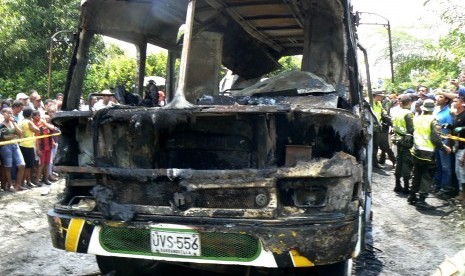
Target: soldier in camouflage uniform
point(403, 138)
point(426, 139)
point(381, 131)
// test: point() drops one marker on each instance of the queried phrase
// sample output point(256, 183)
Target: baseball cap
point(431, 96)
point(21, 96)
point(409, 91)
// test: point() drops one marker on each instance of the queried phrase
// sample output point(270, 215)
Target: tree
point(115, 69)
point(287, 63)
point(24, 51)
point(451, 12)
point(156, 64)
point(429, 62)
point(425, 62)
point(118, 68)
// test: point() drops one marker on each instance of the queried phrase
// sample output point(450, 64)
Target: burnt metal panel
point(257, 26)
point(203, 72)
point(157, 21)
point(198, 192)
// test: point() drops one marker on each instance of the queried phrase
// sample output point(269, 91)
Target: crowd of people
point(27, 141)
point(427, 127)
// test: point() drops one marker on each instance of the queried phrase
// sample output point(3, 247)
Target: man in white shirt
point(105, 101)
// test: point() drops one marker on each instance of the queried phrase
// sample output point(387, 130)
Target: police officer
point(403, 138)
point(384, 136)
point(426, 137)
point(380, 135)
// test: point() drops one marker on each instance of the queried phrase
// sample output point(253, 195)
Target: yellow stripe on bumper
point(74, 232)
point(299, 261)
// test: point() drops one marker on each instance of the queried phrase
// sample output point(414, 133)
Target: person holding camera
point(459, 88)
point(458, 83)
point(10, 153)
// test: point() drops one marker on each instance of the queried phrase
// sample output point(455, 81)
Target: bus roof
point(262, 30)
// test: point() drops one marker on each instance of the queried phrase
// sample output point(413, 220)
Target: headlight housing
point(313, 196)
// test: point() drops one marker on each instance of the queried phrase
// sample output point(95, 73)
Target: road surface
point(402, 240)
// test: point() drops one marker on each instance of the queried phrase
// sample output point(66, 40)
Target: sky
point(410, 16)
point(399, 12)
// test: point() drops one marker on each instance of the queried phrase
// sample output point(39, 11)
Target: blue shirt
point(444, 117)
point(19, 117)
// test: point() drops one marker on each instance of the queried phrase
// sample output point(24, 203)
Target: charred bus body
point(273, 173)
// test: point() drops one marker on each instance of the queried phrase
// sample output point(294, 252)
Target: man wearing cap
point(23, 98)
point(380, 137)
point(384, 142)
point(402, 123)
point(426, 138)
point(105, 101)
point(421, 96)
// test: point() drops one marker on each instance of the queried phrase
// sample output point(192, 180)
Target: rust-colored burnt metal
point(180, 161)
point(283, 159)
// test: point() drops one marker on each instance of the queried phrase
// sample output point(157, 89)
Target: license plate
point(175, 243)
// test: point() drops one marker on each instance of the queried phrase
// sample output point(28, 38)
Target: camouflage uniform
point(403, 138)
point(427, 138)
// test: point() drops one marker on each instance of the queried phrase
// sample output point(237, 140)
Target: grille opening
point(230, 198)
point(214, 245)
point(170, 192)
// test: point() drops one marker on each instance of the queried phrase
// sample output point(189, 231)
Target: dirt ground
point(25, 241)
point(405, 241)
point(402, 240)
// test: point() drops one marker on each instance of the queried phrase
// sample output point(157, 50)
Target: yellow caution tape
point(448, 136)
point(2, 143)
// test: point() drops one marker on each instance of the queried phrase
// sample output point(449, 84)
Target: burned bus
point(266, 176)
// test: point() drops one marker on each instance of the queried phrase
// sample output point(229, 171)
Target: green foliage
point(430, 64)
point(156, 64)
point(118, 68)
point(423, 61)
point(25, 32)
point(287, 63)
